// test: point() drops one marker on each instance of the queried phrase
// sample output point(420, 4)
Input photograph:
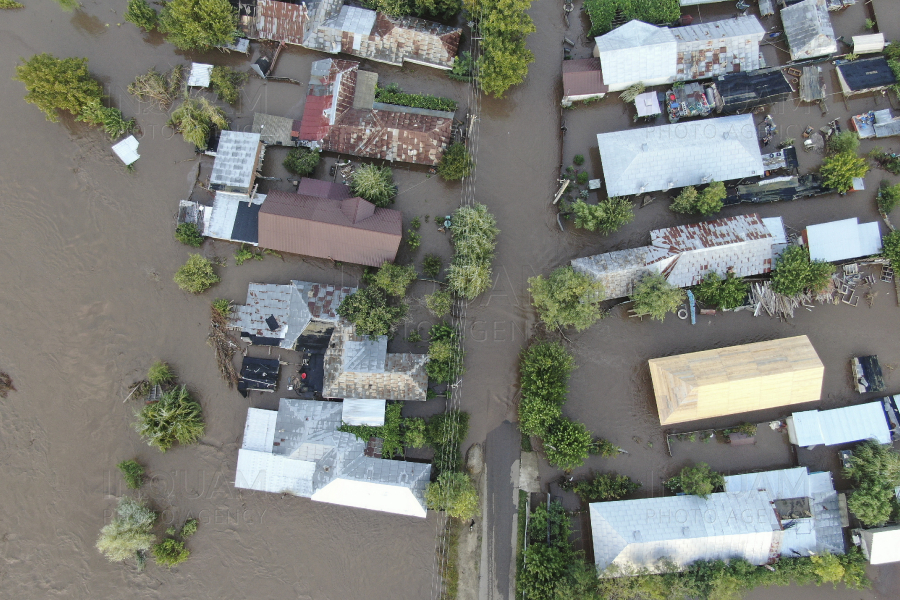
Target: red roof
point(314, 126)
point(323, 189)
point(583, 77)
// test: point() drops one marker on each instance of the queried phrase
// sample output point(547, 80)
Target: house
point(199, 75)
point(649, 159)
point(298, 450)
point(842, 240)
point(843, 425)
point(807, 505)
point(865, 75)
point(360, 367)
point(331, 26)
point(745, 245)
point(238, 157)
point(582, 80)
point(638, 52)
point(631, 535)
point(807, 26)
point(276, 131)
point(736, 379)
point(880, 545)
point(742, 91)
point(340, 115)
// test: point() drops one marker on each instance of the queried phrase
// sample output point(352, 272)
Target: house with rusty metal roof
point(361, 367)
point(279, 315)
point(298, 450)
point(332, 26)
point(808, 29)
point(341, 115)
point(744, 245)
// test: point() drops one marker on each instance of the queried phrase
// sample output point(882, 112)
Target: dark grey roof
point(867, 73)
point(246, 223)
point(740, 91)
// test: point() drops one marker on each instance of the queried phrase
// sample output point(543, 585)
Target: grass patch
point(522, 519)
point(450, 573)
point(602, 12)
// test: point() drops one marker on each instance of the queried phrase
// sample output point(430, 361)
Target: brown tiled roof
point(281, 21)
point(312, 226)
point(582, 77)
point(323, 189)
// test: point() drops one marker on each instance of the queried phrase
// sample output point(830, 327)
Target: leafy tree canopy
point(454, 493)
point(567, 298)
point(141, 14)
point(302, 161)
point(456, 162)
point(605, 486)
point(174, 418)
point(839, 170)
point(55, 84)
point(890, 247)
point(845, 141)
point(606, 216)
point(195, 118)
point(128, 532)
point(196, 275)
point(698, 480)
point(375, 184)
point(888, 196)
point(794, 272)
point(722, 293)
point(655, 296)
point(227, 83)
point(504, 26)
point(394, 279)
point(189, 234)
point(567, 443)
point(707, 202)
point(371, 312)
point(199, 24)
point(474, 235)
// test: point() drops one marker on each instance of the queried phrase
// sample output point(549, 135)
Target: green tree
point(10, 5)
point(874, 463)
point(828, 568)
point(199, 24)
point(195, 118)
point(605, 486)
point(375, 184)
point(394, 8)
point(432, 265)
point(189, 234)
point(227, 83)
point(606, 216)
point(370, 311)
point(302, 161)
point(129, 531)
point(455, 494)
point(69, 5)
point(545, 568)
point(456, 162)
point(567, 443)
point(174, 418)
point(890, 247)
point(794, 272)
point(439, 303)
point(170, 553)
point(141, 14)
point(133, 473)
point(708, 202)
point(55, 84)
point(700, 480)
point(872, 504)
point(394, 279)
point(544, 369)
point(888, 197)
point(442, 9)
point(474, 236)
point(414, 433)
point(160, 373)
point(196, 275)
point(567, 298)
point(655, 296)
point(504, 26)
point(110, 119)
point(722, 293)
point(846, 141)
point(839, 170)
point(443, 362)
point(189, 528)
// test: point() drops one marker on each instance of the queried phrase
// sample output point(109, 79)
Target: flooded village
point(407, 329)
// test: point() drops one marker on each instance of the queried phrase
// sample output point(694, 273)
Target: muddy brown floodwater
point(87, 258)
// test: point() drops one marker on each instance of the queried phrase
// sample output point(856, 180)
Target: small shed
point(126, 150)
point(865, 75)
point(200, 75)
point(582, 80)
point(807, 26)
point(868, 44)
point(881, 545)
point(812, 84)
point(647, 104)
point(258, 374)
point(810, 428)
point(746, 90)
point(842, 240)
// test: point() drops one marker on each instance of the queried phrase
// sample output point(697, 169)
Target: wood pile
point(762, 298)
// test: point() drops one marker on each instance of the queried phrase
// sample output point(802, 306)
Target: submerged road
point(501, 453)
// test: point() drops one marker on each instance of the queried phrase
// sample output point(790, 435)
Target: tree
point(456, 162)
point(394, 8)
point(729, 292)
point(455, 494)
point(160, 373)
point(133, 473)
point(872, 504)
point(196, 275)
point(839, 170)
point(504, 26)
point(708, 202)
point(567, 298)
point(846, 141)
point(375, 184)
point(10, 5)
point(872, 462)
point(189, 234)
point(432, 265)
point(655, 296)
point(699, 480)
point(170, 553)
point(414, 433)
point(443, 9)
point(302, 161)
point(442, 361)
point(129, 531)
point(545, 568)
point(141, 14)
point(227, 83)
point(174, 418)
point(890, 247)
point(55, 84)
point(111, 119)
point(439, 303)
point(544, 369)
point(394, 279)
point(199, 24)
point(605, 486)
point(606, 216)
point(195, 118)
point(888, 197)
point(795, 273)
point(474, 236)
point(370, 311)
point(567, 443)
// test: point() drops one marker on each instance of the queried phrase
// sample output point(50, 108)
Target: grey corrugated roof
point(649, 159)
point(807, 26)
point(364, 96)
point(234, 168)
point(234, 217)
point(363, 412)
point(273, 129)
point(841, 425)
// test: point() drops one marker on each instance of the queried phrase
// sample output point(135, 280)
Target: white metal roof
point(267, 472)
point(882, 545)
point(236, 157)
point(199, 75)
point(841, 425)
point(777, 485)
point(372, 496)
point(363, 412)
point(842, 240)
point(259, 430)
point(807, 26)
point(637, 51)
point(647, 104)
point(126, 150)
point(649, 159)
point(863, 44)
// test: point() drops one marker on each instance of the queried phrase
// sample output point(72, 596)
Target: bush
point(245, 253)
point(369, 310)
point(888, 197)
point(444, 360)
point(883, 159)
point(394, 279)
point(431, 265)
point(189, 234)
point(141, 14)
point(221, 308)
point(544, 370)
point(68, 5)
point(708, 202)
point(657, 12)
point(444, 432)
point(55, 84)
point(414, 433)
point(455, 494)
point(504, 28)
point(160, 374)
point(456, 162)
point(302, 161)
point(392, 94)
point(462, 67)
point(195, 118)
point(413, 239)
point(158, 88)
point(110, 119)
point(129, 531)
point(567, 298)
point(890, 247)
point(196, 275)
point(839, 170)
point(10, 4)
point(606, 216)
point(655, 296)
point(375, 184)
point(133, 473)
point(227, 83)
point(845, 141)
point(170, 553)
point(583, 177)
point(795, 273)
point(474, 234)
point(199, 24)
point(697, 480)
point(189, 528)
point(439, 303)
point(722, 293)
point(174, 418)
point(605, 486)
point(578, 160)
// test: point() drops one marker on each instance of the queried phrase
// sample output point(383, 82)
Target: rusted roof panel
point(281, 21)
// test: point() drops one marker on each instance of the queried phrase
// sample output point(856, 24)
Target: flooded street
point(88, 301)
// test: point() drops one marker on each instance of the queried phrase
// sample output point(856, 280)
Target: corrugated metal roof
point(807, 26)
point(237, 158)
point(841, 425)
point(363, 412)
point(318, 227)
point(863, 44)
point(259, 430)
point(323, 189)
point(649, 159)
point(199, 75)
point(126, 150)
point(843, 240)
point(637, 51)
point(234, 217)
point(718, 47)
point(882, 544)
point(281, 21)
point(275, 130)
point(583, 77)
